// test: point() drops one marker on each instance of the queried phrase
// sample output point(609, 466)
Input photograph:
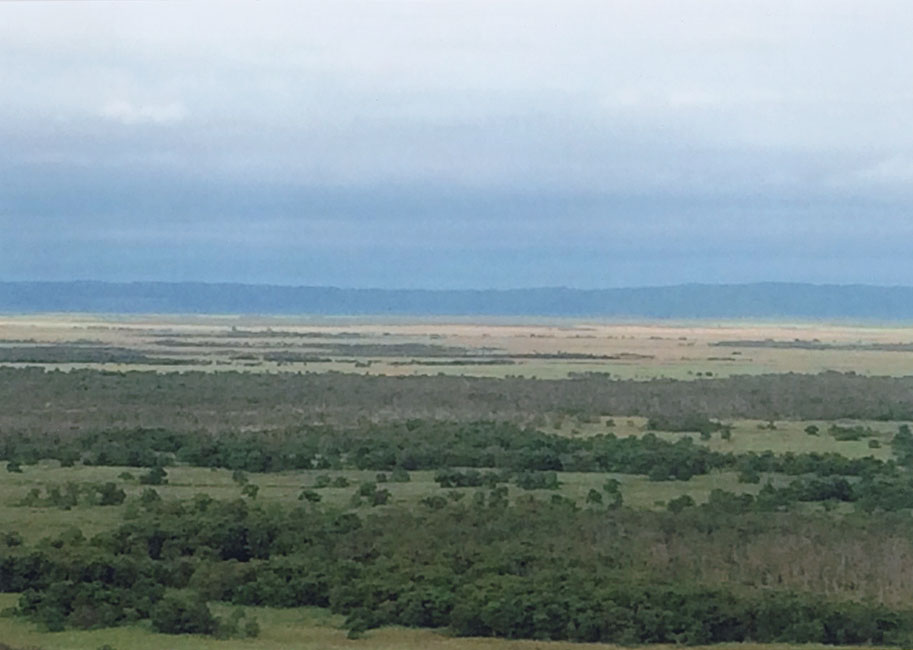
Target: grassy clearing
point(751, 435)
point(34, 523)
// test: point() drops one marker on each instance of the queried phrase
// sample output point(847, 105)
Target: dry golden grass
point(679, 350)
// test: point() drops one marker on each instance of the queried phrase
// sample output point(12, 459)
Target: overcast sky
point(457, 144)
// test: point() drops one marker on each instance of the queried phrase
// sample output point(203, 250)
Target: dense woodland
point(419, 444)
point(704, 574)
point(35, 400)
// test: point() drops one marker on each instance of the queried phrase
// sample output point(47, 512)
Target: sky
point(457, 144)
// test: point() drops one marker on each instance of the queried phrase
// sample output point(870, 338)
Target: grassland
point(551, 349)
point(495, 349)
point(285, 487)
point(749, 435)
point(35, 523)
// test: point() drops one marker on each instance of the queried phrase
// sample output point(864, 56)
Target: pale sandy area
point(636, 349)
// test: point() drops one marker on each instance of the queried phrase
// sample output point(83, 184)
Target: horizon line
point(223, 283)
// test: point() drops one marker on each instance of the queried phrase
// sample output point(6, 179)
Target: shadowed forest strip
point(37, 400)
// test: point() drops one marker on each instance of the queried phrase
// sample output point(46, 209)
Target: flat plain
point(492, 348)
point(484, 348)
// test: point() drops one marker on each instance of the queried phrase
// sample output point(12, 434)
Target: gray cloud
point(545, 141)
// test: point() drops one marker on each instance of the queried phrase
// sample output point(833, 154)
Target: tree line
point(81, 400)
point(417, 445)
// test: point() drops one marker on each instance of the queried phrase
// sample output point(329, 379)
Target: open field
point(34, 523)
point(487, 348)
point(748, 435)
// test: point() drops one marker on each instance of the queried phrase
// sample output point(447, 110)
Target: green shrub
point(399, 475)
point(182, 614)
point(309, 495)
point(155, 476)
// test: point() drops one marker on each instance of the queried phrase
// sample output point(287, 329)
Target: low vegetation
point(583, 510)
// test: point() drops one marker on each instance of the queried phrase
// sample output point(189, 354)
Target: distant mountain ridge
point(760, 300)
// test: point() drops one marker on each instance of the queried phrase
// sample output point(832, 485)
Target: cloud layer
point(457, 143)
